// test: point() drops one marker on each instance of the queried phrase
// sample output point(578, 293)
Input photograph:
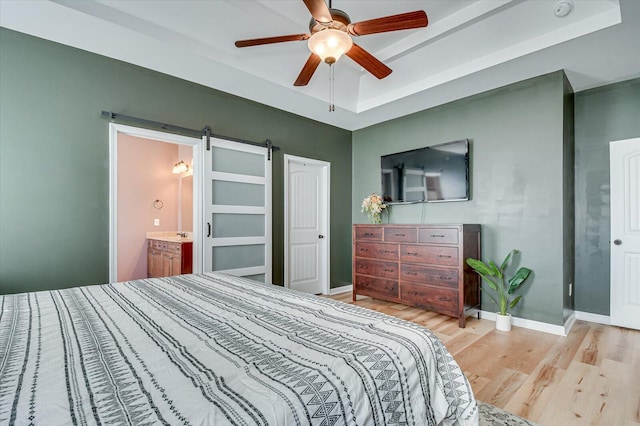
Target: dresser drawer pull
point(364, 249)
point(436, 236)
point(415, 293)
point(445, 278)
point(399, 235)
point(388, 270)
point(363, 267)
point(389, 288)
point(444, 299)
point(409, 253)
point(444, 256)
point(368, 234)
point(363, 284)
point(389, 251)
point(412, 273)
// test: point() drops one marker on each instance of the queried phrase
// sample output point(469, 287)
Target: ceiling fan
point(330, 38)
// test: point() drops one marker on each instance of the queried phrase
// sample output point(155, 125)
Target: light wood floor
point(590, 377)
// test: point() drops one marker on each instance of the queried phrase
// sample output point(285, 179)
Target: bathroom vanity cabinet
point(167, 258)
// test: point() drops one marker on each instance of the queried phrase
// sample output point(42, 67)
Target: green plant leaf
point(489, 281)
point(519, 278)
point(505, 263)
point(497, 272)
point(479, 266)
point(515, 301)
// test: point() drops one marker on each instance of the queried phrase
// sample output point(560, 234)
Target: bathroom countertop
point(170, 236)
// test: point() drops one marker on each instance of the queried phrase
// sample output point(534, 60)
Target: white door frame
point(326, 173)
point(114, 131)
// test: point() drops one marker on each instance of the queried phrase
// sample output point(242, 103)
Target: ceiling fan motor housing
point(340, 22)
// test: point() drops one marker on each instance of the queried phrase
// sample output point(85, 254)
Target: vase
point(503, 322)
point(375, 218)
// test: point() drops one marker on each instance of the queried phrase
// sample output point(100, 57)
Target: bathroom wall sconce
point(180, 167)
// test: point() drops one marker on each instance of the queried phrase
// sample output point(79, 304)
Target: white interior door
point(625, 233)
point(237, 224)
point(306, 225)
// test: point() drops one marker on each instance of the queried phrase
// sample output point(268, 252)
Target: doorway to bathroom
point(155, 195)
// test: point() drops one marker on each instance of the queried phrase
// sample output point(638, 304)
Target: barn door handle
point(208, 229)
point(617, 242)
point(321, 236)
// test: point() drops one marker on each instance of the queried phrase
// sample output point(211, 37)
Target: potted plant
point(502, 287)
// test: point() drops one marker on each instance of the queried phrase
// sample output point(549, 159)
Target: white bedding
point(214, 350)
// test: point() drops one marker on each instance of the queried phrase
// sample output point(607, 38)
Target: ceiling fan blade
point(319, 10)
point(271, 40)
point(369, 62)
point(403, 21)
point(308, 70)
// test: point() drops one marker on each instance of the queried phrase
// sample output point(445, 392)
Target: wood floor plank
point(536, 393)
point(501, 388)
point(590, 377)
point(564, 350)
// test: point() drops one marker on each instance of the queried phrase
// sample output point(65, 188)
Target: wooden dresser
point(418, 265)
point(168, 258)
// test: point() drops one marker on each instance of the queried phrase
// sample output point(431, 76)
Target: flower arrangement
point(373, 206)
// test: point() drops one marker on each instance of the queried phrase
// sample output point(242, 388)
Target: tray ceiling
point(469, 46)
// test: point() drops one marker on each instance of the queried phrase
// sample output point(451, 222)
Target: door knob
point(617, 242)
point(321, 236)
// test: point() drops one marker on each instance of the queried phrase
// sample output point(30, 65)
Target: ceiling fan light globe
point(330, 44)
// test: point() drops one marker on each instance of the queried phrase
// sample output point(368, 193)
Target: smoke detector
point(563, 8)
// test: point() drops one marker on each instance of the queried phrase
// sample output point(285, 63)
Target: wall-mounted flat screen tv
point(434, 173)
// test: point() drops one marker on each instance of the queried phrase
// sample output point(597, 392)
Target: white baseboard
point(561, 330)
point(530, 324)
point(568, 324)
point(597, 318)
point(342, 289)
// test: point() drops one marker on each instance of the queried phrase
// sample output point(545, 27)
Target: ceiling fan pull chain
point(332, 106)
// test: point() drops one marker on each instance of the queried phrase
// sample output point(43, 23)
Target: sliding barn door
point(237, 215)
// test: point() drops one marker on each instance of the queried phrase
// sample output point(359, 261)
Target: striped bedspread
point(214, 350)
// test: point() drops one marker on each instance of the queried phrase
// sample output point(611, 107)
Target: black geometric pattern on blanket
point(214, 349)
point(493, 416)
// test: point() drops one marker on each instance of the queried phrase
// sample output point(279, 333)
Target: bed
point(212, 349)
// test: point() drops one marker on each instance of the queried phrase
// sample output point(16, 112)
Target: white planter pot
point(503, 322)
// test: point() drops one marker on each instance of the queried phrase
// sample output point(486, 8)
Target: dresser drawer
point(376, 287)
point(438, 235)
point(377, 250)
point(173, 247)
point(440, 300)
point(400, 235)
point(432, 276)
point(435, 255)
point(377, 268)
point(369, 233)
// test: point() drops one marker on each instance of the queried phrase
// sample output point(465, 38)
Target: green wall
point(54, 163)
point(518, 142)
point(568, 199)
point(602, 115)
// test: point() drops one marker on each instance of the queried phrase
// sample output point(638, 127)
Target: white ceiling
point(469, 46)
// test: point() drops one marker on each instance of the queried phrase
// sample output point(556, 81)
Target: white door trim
point(326, 173)
point(198, 148)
